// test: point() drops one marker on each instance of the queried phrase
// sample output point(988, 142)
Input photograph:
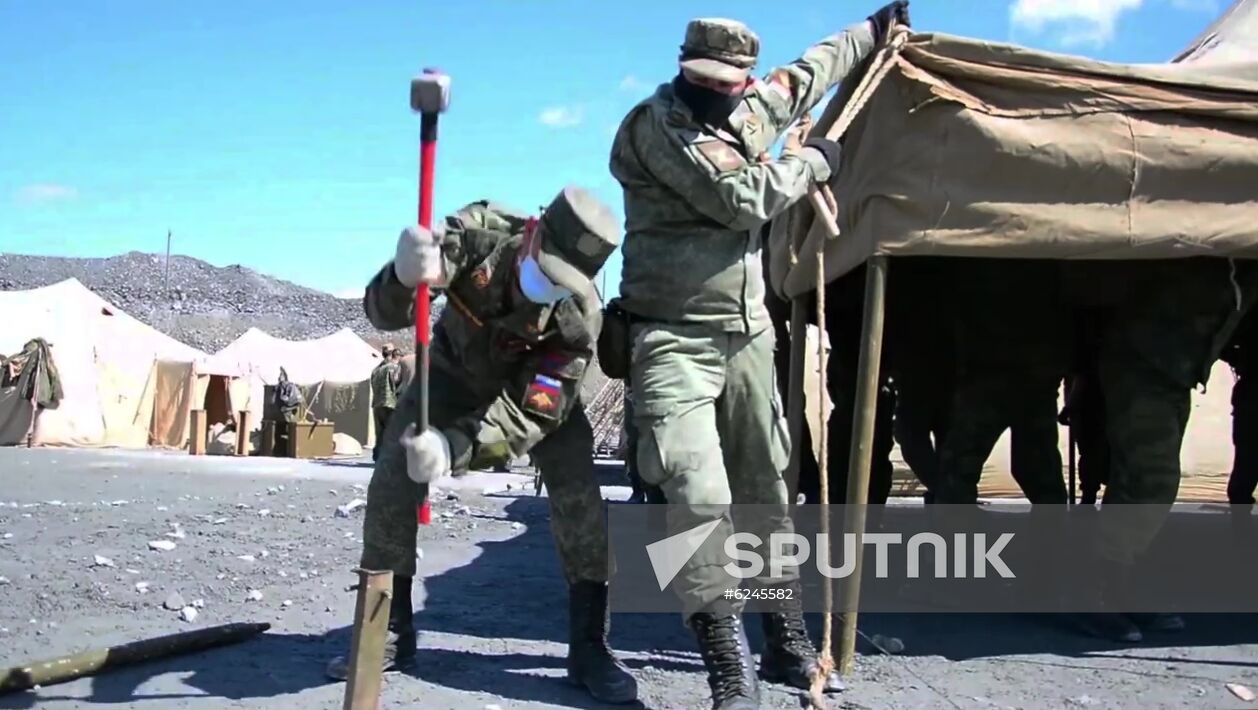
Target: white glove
point(427, 455)
point(418, 258)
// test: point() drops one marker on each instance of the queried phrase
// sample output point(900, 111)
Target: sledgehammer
point(430, 96)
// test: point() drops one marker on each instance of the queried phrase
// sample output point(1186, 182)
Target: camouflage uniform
point(919, 340)
point(1170, 322)
point(505, 381)
point(696, 196)
point(1012, 348)
point(1242, 355)
point(385, 380)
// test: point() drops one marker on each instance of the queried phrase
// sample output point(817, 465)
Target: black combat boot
point(399, 644)
point(789, 656)
point(590, 660)
point(726, 655)
point(1109, 622)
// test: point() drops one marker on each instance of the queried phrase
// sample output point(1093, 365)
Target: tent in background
point(125, 383)
point(334, 373)
point(1233, 38)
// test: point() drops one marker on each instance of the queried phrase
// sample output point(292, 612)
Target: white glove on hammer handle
point(418, 258)
point(427, 455)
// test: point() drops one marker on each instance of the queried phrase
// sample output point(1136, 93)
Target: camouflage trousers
point(712, 433)
point(565, 460)
point(1160, 347)
point(984, 405)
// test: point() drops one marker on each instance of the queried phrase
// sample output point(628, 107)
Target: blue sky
point(278, 134)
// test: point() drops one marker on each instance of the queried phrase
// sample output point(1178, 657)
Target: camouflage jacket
point(524, 363)
point(385, 381)
point(695, 197)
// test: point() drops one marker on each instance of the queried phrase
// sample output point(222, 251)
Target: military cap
point(720, 49)
point(577, 233)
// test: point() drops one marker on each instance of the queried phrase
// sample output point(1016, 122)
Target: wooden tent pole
point(860, 456)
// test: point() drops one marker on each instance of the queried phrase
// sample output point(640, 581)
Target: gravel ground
point(78, 573)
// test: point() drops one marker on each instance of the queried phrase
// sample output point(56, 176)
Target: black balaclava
point(708, 105)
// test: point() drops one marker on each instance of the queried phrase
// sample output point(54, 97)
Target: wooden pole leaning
point(860, 457)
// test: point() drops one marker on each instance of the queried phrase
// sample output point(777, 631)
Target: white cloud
point(1074, 22)
point(561, 116)
point(633, 84)
point(353, 292)
point(44, 192)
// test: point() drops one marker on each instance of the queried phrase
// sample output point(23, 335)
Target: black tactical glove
point(897, 12)
point(829, 149)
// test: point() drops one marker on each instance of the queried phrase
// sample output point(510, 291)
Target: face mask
point(708, 105)
point(536, 286)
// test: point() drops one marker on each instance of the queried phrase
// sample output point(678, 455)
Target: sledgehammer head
point(430, 92)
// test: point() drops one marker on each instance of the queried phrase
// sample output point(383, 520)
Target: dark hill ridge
point(206, 306)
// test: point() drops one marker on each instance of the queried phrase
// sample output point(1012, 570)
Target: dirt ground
point(493, 618)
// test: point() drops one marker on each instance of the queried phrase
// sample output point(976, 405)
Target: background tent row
point(125, 384)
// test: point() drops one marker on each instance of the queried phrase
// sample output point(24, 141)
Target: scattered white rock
point(242, 506)
point(246, 558)
point(1084, 700)
point(493, 706)
point(517, 525)
point(4, 581)
point(343, 511)
point(102, 561)
point(188, 614)
point(142, 587)
point(283, 574)
point(162, 545)
point(120, 502)
point(162, 509)
point(198, 603)
point(307, 518)
point(174, 602)
point(253, 596)
point(220, 575)
point(287, 602)
point(53, 503)
point(332, 491)
point(263, 554)
point(360, 487)
point(419, 553)
point(220, 521)
point(264, 512)
point(273, 490)
point(303, 575)
point(132, 571)
point(1241, 692)
point(7, 536)
point(177, 533)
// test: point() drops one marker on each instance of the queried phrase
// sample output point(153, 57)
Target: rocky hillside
point(202, 305)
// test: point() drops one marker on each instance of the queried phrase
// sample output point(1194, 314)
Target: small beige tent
point(334, 373)
point(125, 383)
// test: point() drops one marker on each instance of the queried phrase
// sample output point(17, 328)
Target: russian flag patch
point(544, 396)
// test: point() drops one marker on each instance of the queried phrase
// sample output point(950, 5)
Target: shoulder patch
point(481, 276)
point(783, 83)
point(543, 397)
point(721, 155)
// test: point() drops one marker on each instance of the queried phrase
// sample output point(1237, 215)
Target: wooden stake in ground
point(371, 627)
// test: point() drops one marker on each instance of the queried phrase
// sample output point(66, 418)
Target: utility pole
point(166, 277)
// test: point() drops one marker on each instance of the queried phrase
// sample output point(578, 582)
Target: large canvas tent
point(125, 384)
point(980, 149)
point(334, 373)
